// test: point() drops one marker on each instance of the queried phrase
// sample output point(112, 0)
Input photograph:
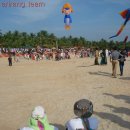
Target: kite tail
point(119, 32)
point(125, 40)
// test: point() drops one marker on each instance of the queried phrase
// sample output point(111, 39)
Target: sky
point(92, 19)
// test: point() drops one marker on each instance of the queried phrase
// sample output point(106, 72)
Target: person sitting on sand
point(83, 109)
point(38, 120)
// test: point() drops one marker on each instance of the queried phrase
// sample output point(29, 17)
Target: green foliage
point(44, 39)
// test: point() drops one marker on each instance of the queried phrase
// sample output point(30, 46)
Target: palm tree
point(42, 36)
point(52, 38)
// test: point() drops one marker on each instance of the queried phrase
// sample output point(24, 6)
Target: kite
point(126, 15)
point(125, 40)
point(67, 10)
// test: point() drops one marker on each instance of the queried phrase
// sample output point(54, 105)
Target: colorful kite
point(126, 15)
point(67, 10)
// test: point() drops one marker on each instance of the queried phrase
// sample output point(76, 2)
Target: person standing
point(114, 59)
point(121, 62)
point(107, 53)
point(103, 58)
point(10, 60)
point(96, 57)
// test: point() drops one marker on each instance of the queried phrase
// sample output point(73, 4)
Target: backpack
point(83, 108)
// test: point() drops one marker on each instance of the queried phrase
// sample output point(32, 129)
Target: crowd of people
point(39, 53)
point(47, 53)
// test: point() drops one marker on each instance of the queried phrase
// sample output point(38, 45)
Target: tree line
point(18, 39)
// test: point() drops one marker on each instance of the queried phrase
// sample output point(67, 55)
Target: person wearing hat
point(38, 120)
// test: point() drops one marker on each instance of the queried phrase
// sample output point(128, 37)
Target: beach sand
point(57, 85)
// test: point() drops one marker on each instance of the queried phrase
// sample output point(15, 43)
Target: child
point(38, 120)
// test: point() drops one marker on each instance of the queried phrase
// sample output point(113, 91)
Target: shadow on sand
point(85, 66)
point(125, 78)
point(113, 118)
point(121, 110)
point(123, 97)
point(101, 73)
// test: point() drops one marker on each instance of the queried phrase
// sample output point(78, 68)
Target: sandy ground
point(56, 86)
